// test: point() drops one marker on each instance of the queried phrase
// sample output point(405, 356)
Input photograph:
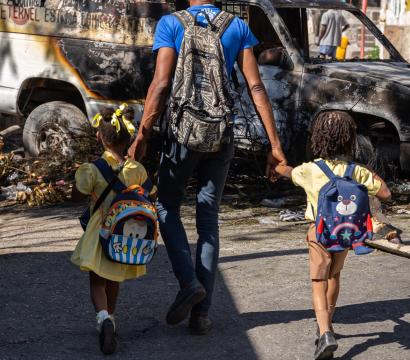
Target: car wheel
point(367, 154)
point(53, 127)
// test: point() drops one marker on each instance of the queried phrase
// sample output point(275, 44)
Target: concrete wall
point(400, 37)
point(354, 33)
point(396, 12)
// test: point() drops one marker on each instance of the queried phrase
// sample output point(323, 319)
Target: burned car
point(375, 90)
point(64, 59)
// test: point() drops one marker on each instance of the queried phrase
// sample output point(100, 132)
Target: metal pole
point(362, 43)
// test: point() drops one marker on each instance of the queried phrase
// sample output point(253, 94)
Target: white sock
point(101, 316)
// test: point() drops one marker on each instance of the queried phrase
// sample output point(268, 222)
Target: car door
point(280, 69)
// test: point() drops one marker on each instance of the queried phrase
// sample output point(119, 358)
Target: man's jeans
point(177, 165)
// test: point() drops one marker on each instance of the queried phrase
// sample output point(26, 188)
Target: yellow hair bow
point(115, 121)
point(95, 122)
point(129, 125)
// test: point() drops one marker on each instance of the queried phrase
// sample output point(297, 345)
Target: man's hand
point(138, 149)
point(284, 170)
point(275, 157)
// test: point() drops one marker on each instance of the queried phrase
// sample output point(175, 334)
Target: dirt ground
point(261, 310)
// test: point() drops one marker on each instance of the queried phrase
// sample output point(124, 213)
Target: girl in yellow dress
point(114, 131)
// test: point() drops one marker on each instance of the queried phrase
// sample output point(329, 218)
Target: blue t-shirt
point(237, 37)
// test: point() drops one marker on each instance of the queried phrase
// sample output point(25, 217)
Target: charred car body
point(63, 59)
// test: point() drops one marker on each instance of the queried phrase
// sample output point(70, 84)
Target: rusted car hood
point(393, 76)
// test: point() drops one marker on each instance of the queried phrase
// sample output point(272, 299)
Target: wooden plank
point(386, 246)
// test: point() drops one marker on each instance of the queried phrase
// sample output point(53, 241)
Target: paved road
point(262, 299)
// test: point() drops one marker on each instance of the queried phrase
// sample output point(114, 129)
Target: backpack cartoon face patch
point(129, 233)
point(136, 228)
point(343, 219)
point(346, 206)
point(140, 228)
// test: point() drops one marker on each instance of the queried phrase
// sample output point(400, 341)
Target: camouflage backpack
point(200, 106)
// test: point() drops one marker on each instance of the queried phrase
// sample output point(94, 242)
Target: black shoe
point(326, 346)
point(200, 324)
point(318, 334)
point(108, 337)
point(185, 300)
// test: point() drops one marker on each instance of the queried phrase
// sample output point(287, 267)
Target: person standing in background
point(332, 26)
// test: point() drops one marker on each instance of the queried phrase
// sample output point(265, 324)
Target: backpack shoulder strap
point(147, 186)
point(185, 18)
point(350, 170)
point(109, 175)
point(323, 166)
point(221, 22)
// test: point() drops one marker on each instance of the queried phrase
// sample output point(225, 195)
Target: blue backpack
point(343, 217)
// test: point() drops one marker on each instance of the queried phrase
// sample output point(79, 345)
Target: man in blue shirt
point(179, 163)
point(237, 37)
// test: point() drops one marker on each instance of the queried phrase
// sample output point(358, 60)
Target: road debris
point(290, 200)
point(401, 188)
point(400, 249)
point(46, 179)
point(268, 221)
point(289, 215)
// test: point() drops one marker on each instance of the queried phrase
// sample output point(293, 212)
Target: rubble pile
point(400, 203)
point(46, 179)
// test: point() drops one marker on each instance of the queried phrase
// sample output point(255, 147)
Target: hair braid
point(334, 134)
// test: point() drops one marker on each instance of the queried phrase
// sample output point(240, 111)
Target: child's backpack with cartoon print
point(129, 230)
point(343, 217)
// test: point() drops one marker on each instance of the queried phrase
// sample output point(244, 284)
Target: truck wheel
point(405, 158)
point(368, 155)
point(53, 127)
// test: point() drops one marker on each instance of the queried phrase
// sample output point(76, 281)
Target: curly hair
point(333, 134)
point(108, 132)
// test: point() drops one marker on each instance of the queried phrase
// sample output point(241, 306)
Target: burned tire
point(367, 154)
point(53, 127)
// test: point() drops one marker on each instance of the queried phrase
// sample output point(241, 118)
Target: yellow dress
point(88, 254)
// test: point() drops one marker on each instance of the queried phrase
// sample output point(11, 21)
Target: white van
point(60, 60)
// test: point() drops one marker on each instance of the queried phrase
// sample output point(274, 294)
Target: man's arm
point(249, 67)
point(345, 24)
point(155, 100)
point(322, 32)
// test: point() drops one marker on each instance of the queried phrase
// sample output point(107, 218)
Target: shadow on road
point(46, 313)
point(370, 312)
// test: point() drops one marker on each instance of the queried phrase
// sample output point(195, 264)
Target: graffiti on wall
point(119, 21)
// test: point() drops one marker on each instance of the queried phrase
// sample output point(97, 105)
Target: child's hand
point(284, 170)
